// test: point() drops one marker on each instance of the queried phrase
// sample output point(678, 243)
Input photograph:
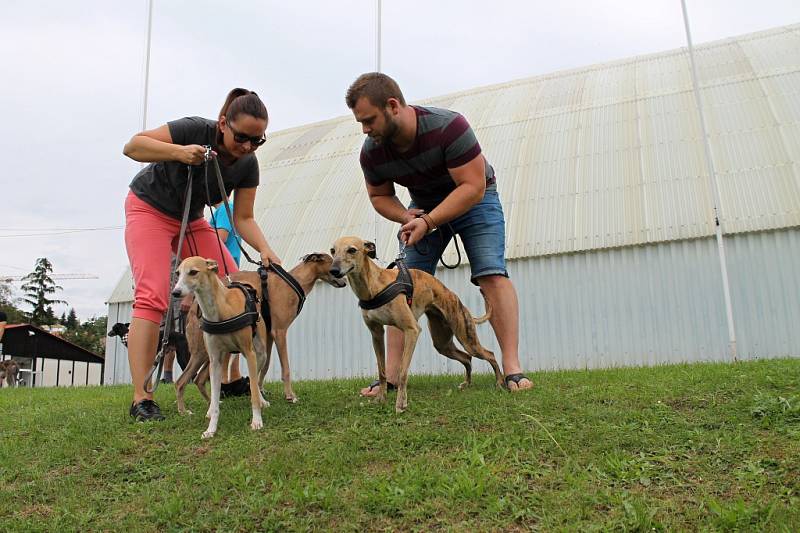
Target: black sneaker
point(145, 411)
point(240, 387)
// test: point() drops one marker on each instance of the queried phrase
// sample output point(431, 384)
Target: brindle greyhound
point(283, 311)
point(447, 316)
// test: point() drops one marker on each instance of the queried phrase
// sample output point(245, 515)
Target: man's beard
point(390, 131)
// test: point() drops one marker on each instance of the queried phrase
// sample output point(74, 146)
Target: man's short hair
point(377, 87)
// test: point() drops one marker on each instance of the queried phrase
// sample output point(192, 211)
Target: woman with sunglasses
point(154, 208)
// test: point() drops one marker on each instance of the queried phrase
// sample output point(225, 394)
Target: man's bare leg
point(502, 296)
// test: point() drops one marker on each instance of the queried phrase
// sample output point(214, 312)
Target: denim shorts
point(482, 231)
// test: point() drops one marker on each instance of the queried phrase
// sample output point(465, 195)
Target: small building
point(47, 360)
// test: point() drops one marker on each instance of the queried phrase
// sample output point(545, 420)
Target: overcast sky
point(73, 76)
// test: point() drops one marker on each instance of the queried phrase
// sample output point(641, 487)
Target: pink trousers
point(151, 238)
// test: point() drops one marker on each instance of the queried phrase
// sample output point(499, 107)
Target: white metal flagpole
point(712, 176)
point(377, 69)
point(147, 62)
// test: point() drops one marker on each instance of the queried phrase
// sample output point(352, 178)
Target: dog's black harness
point(285, 276)
point(248, 317)
point(403, 284)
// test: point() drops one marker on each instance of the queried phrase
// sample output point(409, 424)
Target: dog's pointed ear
point(212, 265)
point(369, 248)
point(313, 258)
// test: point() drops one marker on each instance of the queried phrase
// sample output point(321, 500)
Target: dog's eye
point(193, 272)
point(333, 252)
point(351, 250)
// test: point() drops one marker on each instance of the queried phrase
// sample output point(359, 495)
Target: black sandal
point(377, 383)
point(516, 378)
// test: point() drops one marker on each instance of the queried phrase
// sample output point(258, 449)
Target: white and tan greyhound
point(283, 306)
point(218, 303)
point(447, 316)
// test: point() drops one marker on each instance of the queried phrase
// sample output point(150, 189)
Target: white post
point(147, 62)
point(712, 176)
point(377, 69)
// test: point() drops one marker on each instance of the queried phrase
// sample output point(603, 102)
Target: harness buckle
point(207, 155)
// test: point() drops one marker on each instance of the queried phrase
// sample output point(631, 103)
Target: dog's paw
point(292, 399)
point(207, 434)
point(398, 409)
point(185, 412)
point(264, 403)
point(463, 385)
point(255, 425)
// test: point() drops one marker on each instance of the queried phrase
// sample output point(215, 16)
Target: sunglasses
point(241, 138)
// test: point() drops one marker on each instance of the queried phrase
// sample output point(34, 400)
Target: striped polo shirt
point(444, 140)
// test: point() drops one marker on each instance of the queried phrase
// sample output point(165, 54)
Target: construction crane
point(9, 279)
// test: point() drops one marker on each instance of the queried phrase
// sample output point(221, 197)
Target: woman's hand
point(191, 154)
point(268, 257)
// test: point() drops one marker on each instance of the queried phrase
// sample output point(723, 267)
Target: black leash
point(158, 363)
point(441, 259)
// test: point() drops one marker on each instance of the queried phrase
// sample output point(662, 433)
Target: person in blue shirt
point(224, 227)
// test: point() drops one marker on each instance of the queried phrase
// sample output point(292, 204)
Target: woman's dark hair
point(243, 101)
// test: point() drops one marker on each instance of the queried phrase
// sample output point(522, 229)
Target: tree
point(38, 286)
point(8, 304)
point(90, 335)
point(71, 321)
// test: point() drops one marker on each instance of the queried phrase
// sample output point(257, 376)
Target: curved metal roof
point(596, 157)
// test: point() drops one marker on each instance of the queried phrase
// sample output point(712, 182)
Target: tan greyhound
point(283, 310)
point(447, 316)
point(217, 302)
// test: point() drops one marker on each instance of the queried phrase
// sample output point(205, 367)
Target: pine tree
point(37, 287)
point(72, 320)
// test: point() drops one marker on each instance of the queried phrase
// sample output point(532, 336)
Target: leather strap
point(402, 285)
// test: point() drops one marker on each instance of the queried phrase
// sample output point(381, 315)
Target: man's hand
point(412, 232)
point(411, 214)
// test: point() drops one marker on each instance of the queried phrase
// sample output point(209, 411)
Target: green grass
point(700, 447)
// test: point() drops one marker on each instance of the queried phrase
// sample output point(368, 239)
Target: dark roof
point(25, 340)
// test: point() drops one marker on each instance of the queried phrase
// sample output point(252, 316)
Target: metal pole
point(712, 177)
point(147, 62)
point(377, 69)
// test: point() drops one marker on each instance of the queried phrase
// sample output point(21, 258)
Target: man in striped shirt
point(435, 154)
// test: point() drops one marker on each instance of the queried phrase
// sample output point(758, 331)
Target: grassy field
point(711, 447)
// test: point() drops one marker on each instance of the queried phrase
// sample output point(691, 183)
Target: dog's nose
point(176, 293)
point(336, 272)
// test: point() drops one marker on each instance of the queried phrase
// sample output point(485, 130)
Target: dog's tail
point(487, 315)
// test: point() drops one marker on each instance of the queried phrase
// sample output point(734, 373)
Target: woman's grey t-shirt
point(163, 184)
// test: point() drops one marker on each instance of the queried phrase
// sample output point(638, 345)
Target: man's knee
point(490, 282)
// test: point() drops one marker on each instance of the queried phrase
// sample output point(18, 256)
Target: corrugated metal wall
point(639, 305)
point(117, 367)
